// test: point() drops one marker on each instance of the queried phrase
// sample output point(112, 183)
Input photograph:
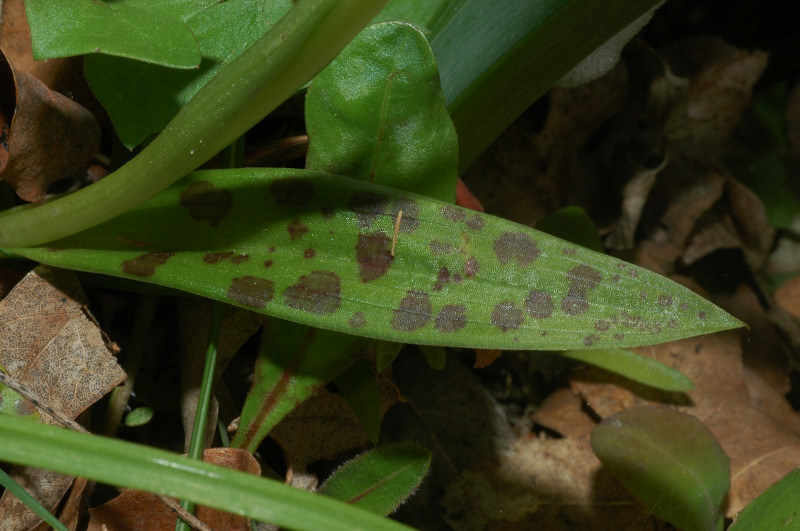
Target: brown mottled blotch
point(475, 223)
point(318, 292)
point(296, 229)
point(357, 320)
point(591, 340)
point(539, 304)
point(451, 213)
point(293, 191)
point(410, 208)
point(516, 246)
point(437, 247)
point(451, 318)
point(367, 206)
point(309, 253)
point(413, 312)
point(471, 267)
point(582, 280)
point(254, 292)
point(373, 255)
point(442, 278)
point(507, 316)
point(145, 265)
point(205, 202)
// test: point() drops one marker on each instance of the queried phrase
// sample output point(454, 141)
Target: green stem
point(269, 72)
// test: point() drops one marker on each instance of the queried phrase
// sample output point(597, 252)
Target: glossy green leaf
point(775, 508)
point(419, 13)
point(358, 386)
point(669, 461)
point(294, 361)
point(141, 467)
point(631, 365)
point(142, 98)
point(377, 113)
point(380, 480)
point(147, 31)
point(516, 50)
point(316, 249)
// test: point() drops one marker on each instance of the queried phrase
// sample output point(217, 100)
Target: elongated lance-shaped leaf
point(317, 249)
point(380, 480)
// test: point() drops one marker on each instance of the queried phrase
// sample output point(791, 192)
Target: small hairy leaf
point(669, 461)
point(775, 508)
point(318, 249)
point(147, 31)
point(631, 365)
point(380, 480)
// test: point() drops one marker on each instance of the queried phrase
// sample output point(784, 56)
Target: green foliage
point(377, 113)
point(669, 461)
point(141, 467)
point(358, 386)
point(316, 249)
point(154, 32)
point(775, 508)
point(139, 417)
point(631, 365)
point(141, 98)
point(380, 480)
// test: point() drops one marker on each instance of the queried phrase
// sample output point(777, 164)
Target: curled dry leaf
point(135, 510)
point(49, 345)
point(44, 136)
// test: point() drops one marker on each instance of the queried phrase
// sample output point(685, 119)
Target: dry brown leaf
point(48, 136)
point(788, 296)
point(135, 510)
point(49, 345)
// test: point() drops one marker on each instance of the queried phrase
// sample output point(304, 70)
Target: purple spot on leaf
point(358, 320)
point(452, 213)
point(471, 267)
point(451, 318)
point(296, 229)
point(475, 223)
point(145, 265)
point(367, 206)
point(254, 292)
point(516, 246)
point(413, 312)
point(442, 278)
point(309, 253)
point(292, 191)
point(318, 292)
point(206, 202)
point(438, 247)
point(373, 255)
point(507, 316)
point(582, 280)
point(539, 304)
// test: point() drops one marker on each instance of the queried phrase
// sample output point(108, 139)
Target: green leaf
point(294, 361)
point(416, 12)
point(316, 249)
point(358, 386)
point(380, 480)
point(142, 98)
point(497, 57)
point(631, 365)
point(775, 508)
point(139, 417)
point(669, 461)
point(138, 29)
point(141, 467)
point(572, 224)
point(11, 403)
point(377, 113)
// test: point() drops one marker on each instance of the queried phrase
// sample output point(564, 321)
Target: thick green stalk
point(277, 65)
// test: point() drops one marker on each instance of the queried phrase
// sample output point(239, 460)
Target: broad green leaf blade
point(775, 508)
point(358, 386)
point(137, 29)
point(377, 113)
point(294, 361)
point(142, 98)
point(380, 480)
point(316, 249)
point(141, 467)
point(631, 365)
point(669, 461)
point(497, 57)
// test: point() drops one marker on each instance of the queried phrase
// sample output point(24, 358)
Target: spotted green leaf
point(377, 113)
point(670, 461)
point(380, 480)
point(321, 250)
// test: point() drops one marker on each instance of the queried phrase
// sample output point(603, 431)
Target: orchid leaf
point(380, 480)
point(147, 31)
point(358, 386)
point(317, 249)
point(294, 361)
point(634, 366)
point(670, 461)
point(377, 113)
point(775, 508)
point(141, 98)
